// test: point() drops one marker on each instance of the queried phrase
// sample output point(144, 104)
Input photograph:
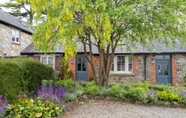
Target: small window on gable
point(15, 36)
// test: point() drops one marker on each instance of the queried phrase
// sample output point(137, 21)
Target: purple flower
point(55, 94)
point(3, 103)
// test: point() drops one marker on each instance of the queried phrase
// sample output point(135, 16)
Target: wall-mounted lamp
point(71, 61)
point(152, 61)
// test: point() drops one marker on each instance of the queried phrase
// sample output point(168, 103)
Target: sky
point(3, 1)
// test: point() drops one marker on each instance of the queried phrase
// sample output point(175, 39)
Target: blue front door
point(163, 69)
point(81, 68)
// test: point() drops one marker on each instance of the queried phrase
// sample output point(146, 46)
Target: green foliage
point(92, 90)
point(117, 91)
point(107, 24)
point(159, 87)
point(149, 96)
point(105, 19)
point(79, 92)
point(29, 108)
point(22, 74)
point(169, 96)
point(20, 9)
point(135, 92)
point(10, 78)
point(104, 92)
point(70, 96)
point(34, 72)
point(66, 70)
point(67, 83)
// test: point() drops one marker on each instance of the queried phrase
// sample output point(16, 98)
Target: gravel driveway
point(102, 109)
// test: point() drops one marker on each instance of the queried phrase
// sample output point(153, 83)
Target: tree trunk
point(103, 65)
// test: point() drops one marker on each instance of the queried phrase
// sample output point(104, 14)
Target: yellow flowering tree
point(107, 24)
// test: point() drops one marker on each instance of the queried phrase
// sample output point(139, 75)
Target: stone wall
point(178, 65)
point(180, 68)
point(137, 74)
point(6, 44)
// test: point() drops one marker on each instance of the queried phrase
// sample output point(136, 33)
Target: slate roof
point(8, 19)
point(156, 49)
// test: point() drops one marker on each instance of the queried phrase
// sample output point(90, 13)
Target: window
point(48, 60)
point(15, 35)
point(121, 64)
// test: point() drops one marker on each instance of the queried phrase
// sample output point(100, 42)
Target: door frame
point(170, 68)
point(76, 67)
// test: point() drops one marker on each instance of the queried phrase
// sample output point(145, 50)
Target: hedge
point(10, 79)
point(22, 74)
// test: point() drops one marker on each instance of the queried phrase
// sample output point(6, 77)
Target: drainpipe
point(145, 78)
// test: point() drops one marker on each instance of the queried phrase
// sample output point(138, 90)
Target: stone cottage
point(15, 35)
point(162, 65)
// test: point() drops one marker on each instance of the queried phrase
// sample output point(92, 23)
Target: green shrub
point(92, 90)
point(135, 92)
point(10, 79)
point(149, 96)
point(70, 96)
point(34, 72)
point(79, 92)
point(22, 74)
point(104, 92)
point(169, 96)
point(160, 87)
point(29, 108)
point(117, 91)
point(67, 83)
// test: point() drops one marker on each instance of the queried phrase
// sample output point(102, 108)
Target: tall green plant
point(66, 70)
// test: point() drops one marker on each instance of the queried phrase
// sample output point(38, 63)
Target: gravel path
point(102, 109)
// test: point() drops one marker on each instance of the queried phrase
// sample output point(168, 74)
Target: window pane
point(17, 36)
point(130, 64)
point(160, 70)
point(13, 39)
point(79, 64)
point(44, 60)
point(121, 63)
point(166, 56)
point(13, 35)
point(50, 61)
point(84, 64)
point(159, 56)
point(17, 39)
point(162, 56)
point(166, 68)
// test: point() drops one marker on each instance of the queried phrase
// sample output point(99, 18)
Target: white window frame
point(47, 56)
point(126, 65)
point(16, 34)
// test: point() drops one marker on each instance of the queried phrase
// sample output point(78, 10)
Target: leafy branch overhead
point(107, 24)
point(22, 10)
